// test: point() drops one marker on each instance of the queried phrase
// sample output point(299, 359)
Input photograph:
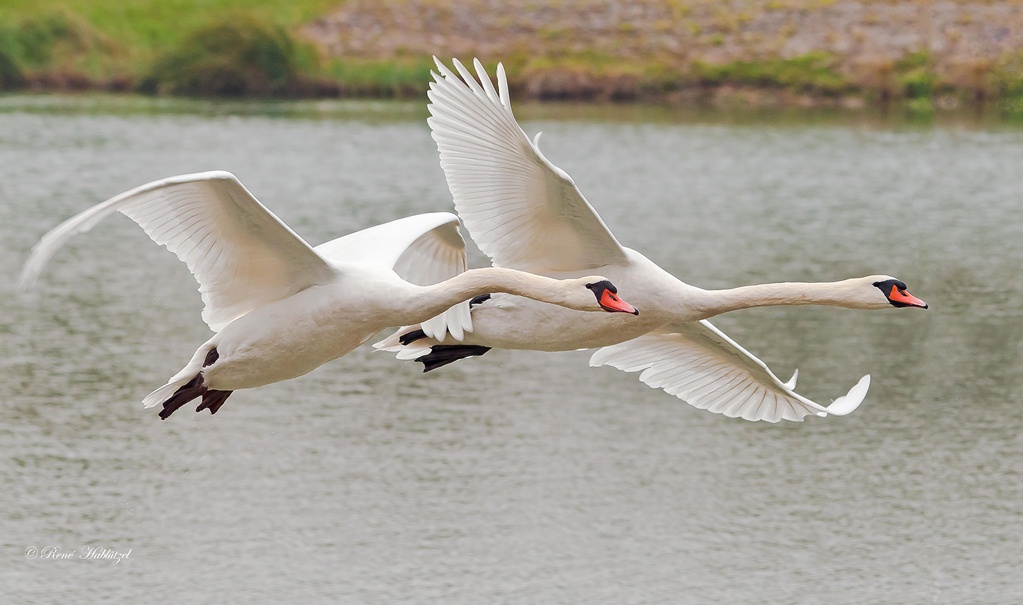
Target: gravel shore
point(586, 48)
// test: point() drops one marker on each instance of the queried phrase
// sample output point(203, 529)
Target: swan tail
point(167, 391)
point(412, 343)
point(408, 343)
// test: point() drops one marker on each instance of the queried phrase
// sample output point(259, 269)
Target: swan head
point(607, 295)
point(890, 292)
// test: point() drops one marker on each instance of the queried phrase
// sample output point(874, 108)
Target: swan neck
point(835, 294)
point(474, 282)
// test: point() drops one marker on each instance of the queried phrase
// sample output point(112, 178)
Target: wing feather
point(700, 364)
point(521, 210)
point(423, 249)
point(241, 254)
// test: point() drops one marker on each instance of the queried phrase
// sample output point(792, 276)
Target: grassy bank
point(288, 48)
point(144, 27)
point(121, 45)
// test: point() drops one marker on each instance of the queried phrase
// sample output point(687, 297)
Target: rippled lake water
point(520, 477)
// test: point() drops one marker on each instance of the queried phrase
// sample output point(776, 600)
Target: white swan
point(526, 213)
point(281, 308)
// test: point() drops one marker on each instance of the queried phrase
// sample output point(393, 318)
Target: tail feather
point(186, 375)
point(409, 342)
point(165, 392)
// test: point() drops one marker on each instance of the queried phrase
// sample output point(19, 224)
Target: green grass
point(189, 47)
point(51, 41)
point(1008, 77)
point(251, 48)
point(809, 73)
point(1007, 82)
point(11, 74)
point(148, 25)
point(915, 76)
point(235, 55)
point(402, 77)
point(137, 30)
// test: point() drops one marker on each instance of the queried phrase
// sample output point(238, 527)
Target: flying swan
point(526, 213)
point(281, 308)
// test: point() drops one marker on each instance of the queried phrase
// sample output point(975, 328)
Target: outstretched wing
point(240, 253)
point(423, 249)
point(698, 363)
point(521, 210)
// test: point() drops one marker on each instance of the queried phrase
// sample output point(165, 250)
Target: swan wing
point(424, 249)
point(698, 363)
point(520, 209)
point(240, 253)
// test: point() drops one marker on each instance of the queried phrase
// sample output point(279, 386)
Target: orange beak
point(906, 298)
point(610, 302)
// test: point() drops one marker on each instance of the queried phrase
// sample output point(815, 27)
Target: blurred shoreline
point(925, 55)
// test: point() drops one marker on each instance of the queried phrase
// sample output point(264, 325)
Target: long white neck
point(435, 299)
point(846, 293)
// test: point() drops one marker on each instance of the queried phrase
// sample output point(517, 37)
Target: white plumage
point(528, 214)
point(281, 308)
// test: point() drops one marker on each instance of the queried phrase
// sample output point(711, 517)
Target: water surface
point(522, 477)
